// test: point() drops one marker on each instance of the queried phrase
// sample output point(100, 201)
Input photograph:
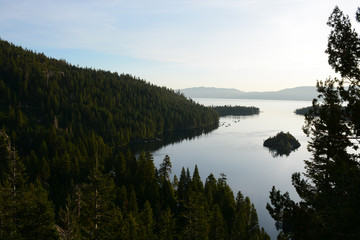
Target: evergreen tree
point(122, 199)
point(225, 199)
point(99, 217)
point(167, 195)
point(11, 173)
point(210, 188)
point(119, 169)
point(131, 228)
point(9, 219)
point(253, 223)
point(68, 227)
point(165, 168)
point(145, 178)
point(25, 211)
point(328, 208)
point(133, 205)
point(184, 183)
point(146, 223)
point(166, 225)
point(217, 224)
point(240, 219)
point(196, 183)
point(196, 216)
point(37, 216)
point(175, 182)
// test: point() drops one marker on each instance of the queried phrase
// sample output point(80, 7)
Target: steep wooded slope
point(39, 91)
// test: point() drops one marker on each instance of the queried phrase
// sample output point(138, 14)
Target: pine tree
point(37, 217)
point(99, 217)
point(146, 222)
point(26, 212)
point(131, 228)
point(253, 224)
point(184, 183)
point(68, 228)
point(167, 195)
point(210, 188)
point(225, 199)
point(217, 224)
point(165, 168)
point(195, 214)
point(9, 188)
point(9, 223)
point(166, 225)
point(328, 208)
point(240, 219)
point(175, 182)
point(145, 178)
point(196, 183)
point(133, 204)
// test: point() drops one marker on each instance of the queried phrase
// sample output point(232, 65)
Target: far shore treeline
point(228, 110)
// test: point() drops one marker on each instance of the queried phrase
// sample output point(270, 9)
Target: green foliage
point(36, 218)
point(165, 168)
point(303, 111)
point(45, 92)
point(70, 179)
point(282, 143)
point(166, 225)
point(217, 224)
point(147, 222)
point(235, 110)
point(25, 211)
point(144, 206)
point(58, 115)
point(328, 208)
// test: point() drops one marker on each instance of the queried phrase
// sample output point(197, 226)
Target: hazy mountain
point(306, 93)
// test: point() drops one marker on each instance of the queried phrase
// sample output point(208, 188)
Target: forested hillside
point(134, 201)
point(37, 90)
point(57, 114)
point(63, 174)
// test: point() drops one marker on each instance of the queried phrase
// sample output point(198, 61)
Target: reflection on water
point(175, 137)
point(276, 153)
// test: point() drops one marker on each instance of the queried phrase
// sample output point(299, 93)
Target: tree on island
point(282, 144)
point(331, 189)
point(235, 110)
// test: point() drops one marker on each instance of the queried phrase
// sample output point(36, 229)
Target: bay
point(236, 149)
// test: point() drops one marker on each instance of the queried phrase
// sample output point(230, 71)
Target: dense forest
point(134, 201)
point(235, 110)
point(66, 171)
point(56, 114)
point(40, 91)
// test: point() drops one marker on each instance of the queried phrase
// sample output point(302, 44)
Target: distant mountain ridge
point(303, 93)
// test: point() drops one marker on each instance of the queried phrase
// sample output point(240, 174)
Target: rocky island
point(282, 144)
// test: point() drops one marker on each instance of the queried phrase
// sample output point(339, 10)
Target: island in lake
point(282, 144)
point(303, 111)
point(235, 110)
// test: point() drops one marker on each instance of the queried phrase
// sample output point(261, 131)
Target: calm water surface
point(236, 149)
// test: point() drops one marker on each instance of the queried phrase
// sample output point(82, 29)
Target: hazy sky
point(251, 45)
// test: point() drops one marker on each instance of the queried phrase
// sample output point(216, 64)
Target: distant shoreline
point(304, 93)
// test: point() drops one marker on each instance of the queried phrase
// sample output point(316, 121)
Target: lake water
point(236, 149)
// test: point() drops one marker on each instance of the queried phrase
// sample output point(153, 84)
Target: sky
point(250, 45)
